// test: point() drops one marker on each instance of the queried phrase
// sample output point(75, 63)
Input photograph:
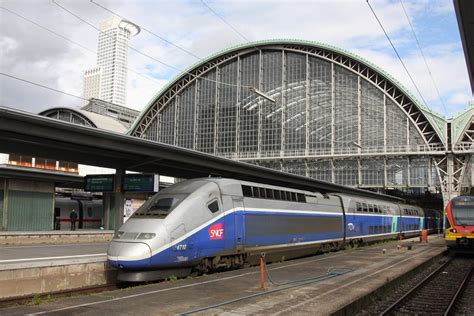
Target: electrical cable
point(284, 286)
point(71, 41)
point(42, 86)
point(423, 55)
point(223, 20)
point(147, 30)
point(146, 55)
point(396, 52)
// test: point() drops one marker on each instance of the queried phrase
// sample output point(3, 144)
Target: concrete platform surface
point(54, 237)
point(371, 269)
point(19, 257)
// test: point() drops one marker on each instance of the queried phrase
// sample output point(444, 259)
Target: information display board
point(140, 183)
point(99, 183)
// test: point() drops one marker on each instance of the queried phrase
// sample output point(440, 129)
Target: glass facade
point(334, 118)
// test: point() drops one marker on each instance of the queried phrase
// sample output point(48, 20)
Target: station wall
point(27, 205)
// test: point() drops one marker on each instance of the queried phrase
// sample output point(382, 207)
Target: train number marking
point(216, 231)
point(181, 247)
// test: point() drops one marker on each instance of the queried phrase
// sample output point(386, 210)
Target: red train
point(459, 223)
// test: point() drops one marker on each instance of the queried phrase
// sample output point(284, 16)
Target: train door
point(239, 222)
point(57, 218)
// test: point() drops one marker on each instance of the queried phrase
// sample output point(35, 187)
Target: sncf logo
point(216, 231)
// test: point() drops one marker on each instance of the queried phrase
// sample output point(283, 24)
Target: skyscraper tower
point(108, 81)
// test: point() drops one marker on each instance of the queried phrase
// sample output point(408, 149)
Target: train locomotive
point(212, 223)
point(459, 222)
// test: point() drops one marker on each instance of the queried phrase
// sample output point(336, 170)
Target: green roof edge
point(459, 121)
point(432, 116)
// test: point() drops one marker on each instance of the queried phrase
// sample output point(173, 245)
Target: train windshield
point(160, 205)
point(463, 212)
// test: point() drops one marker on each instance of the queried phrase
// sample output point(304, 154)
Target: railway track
point(445, 291)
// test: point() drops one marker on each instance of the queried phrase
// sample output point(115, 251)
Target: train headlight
point(118, 234)
point(146, 236)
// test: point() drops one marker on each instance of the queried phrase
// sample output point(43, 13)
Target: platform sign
point(140, 183)
point(99, 183)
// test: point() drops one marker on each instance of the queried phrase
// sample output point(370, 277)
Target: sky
point(30, 52)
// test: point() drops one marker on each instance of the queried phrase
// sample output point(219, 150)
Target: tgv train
point(459, 233)
point(211, 224)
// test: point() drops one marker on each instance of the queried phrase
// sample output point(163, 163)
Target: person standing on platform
point(73, 217)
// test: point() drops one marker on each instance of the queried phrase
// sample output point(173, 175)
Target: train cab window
point(213, 206)
point(301, 197)
point(359, 207)
point(247, 191)
point(160, 205)
point(364, 207)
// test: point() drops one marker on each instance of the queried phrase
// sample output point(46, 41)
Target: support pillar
point(117, 200)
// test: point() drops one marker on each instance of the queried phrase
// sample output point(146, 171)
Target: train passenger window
point(301, 198)
point(247, 191)
point(293, 196)
point(269, 193)
point(371, 208)
point(376, 208)
point(213, 206)
point(288, 196)
point(262, 193)
point(277, 195)
point(256, 192)
point(359, 207)
point(364, 207)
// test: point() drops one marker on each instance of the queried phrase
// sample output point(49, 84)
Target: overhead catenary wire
point(224, 20)
point(42, 86)
point(148, 31)
point(71, 41)
point(396, 52)
point(423, 55)
point(145, 54)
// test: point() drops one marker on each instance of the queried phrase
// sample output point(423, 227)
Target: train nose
point(129, 255)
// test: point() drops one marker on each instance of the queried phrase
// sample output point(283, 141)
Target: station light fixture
point(263, 95)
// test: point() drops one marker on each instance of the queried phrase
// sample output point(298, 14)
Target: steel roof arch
point(429, 124)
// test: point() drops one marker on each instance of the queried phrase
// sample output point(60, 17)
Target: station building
point(313, 110)
point(29, 186)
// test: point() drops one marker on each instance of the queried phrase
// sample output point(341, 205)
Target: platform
point(28, 270)
point(371, 269)
point(54, 237)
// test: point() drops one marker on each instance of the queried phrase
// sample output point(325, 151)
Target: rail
point(458, 274)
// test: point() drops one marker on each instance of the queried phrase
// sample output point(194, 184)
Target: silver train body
point(90, 213)
point(210, 224)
